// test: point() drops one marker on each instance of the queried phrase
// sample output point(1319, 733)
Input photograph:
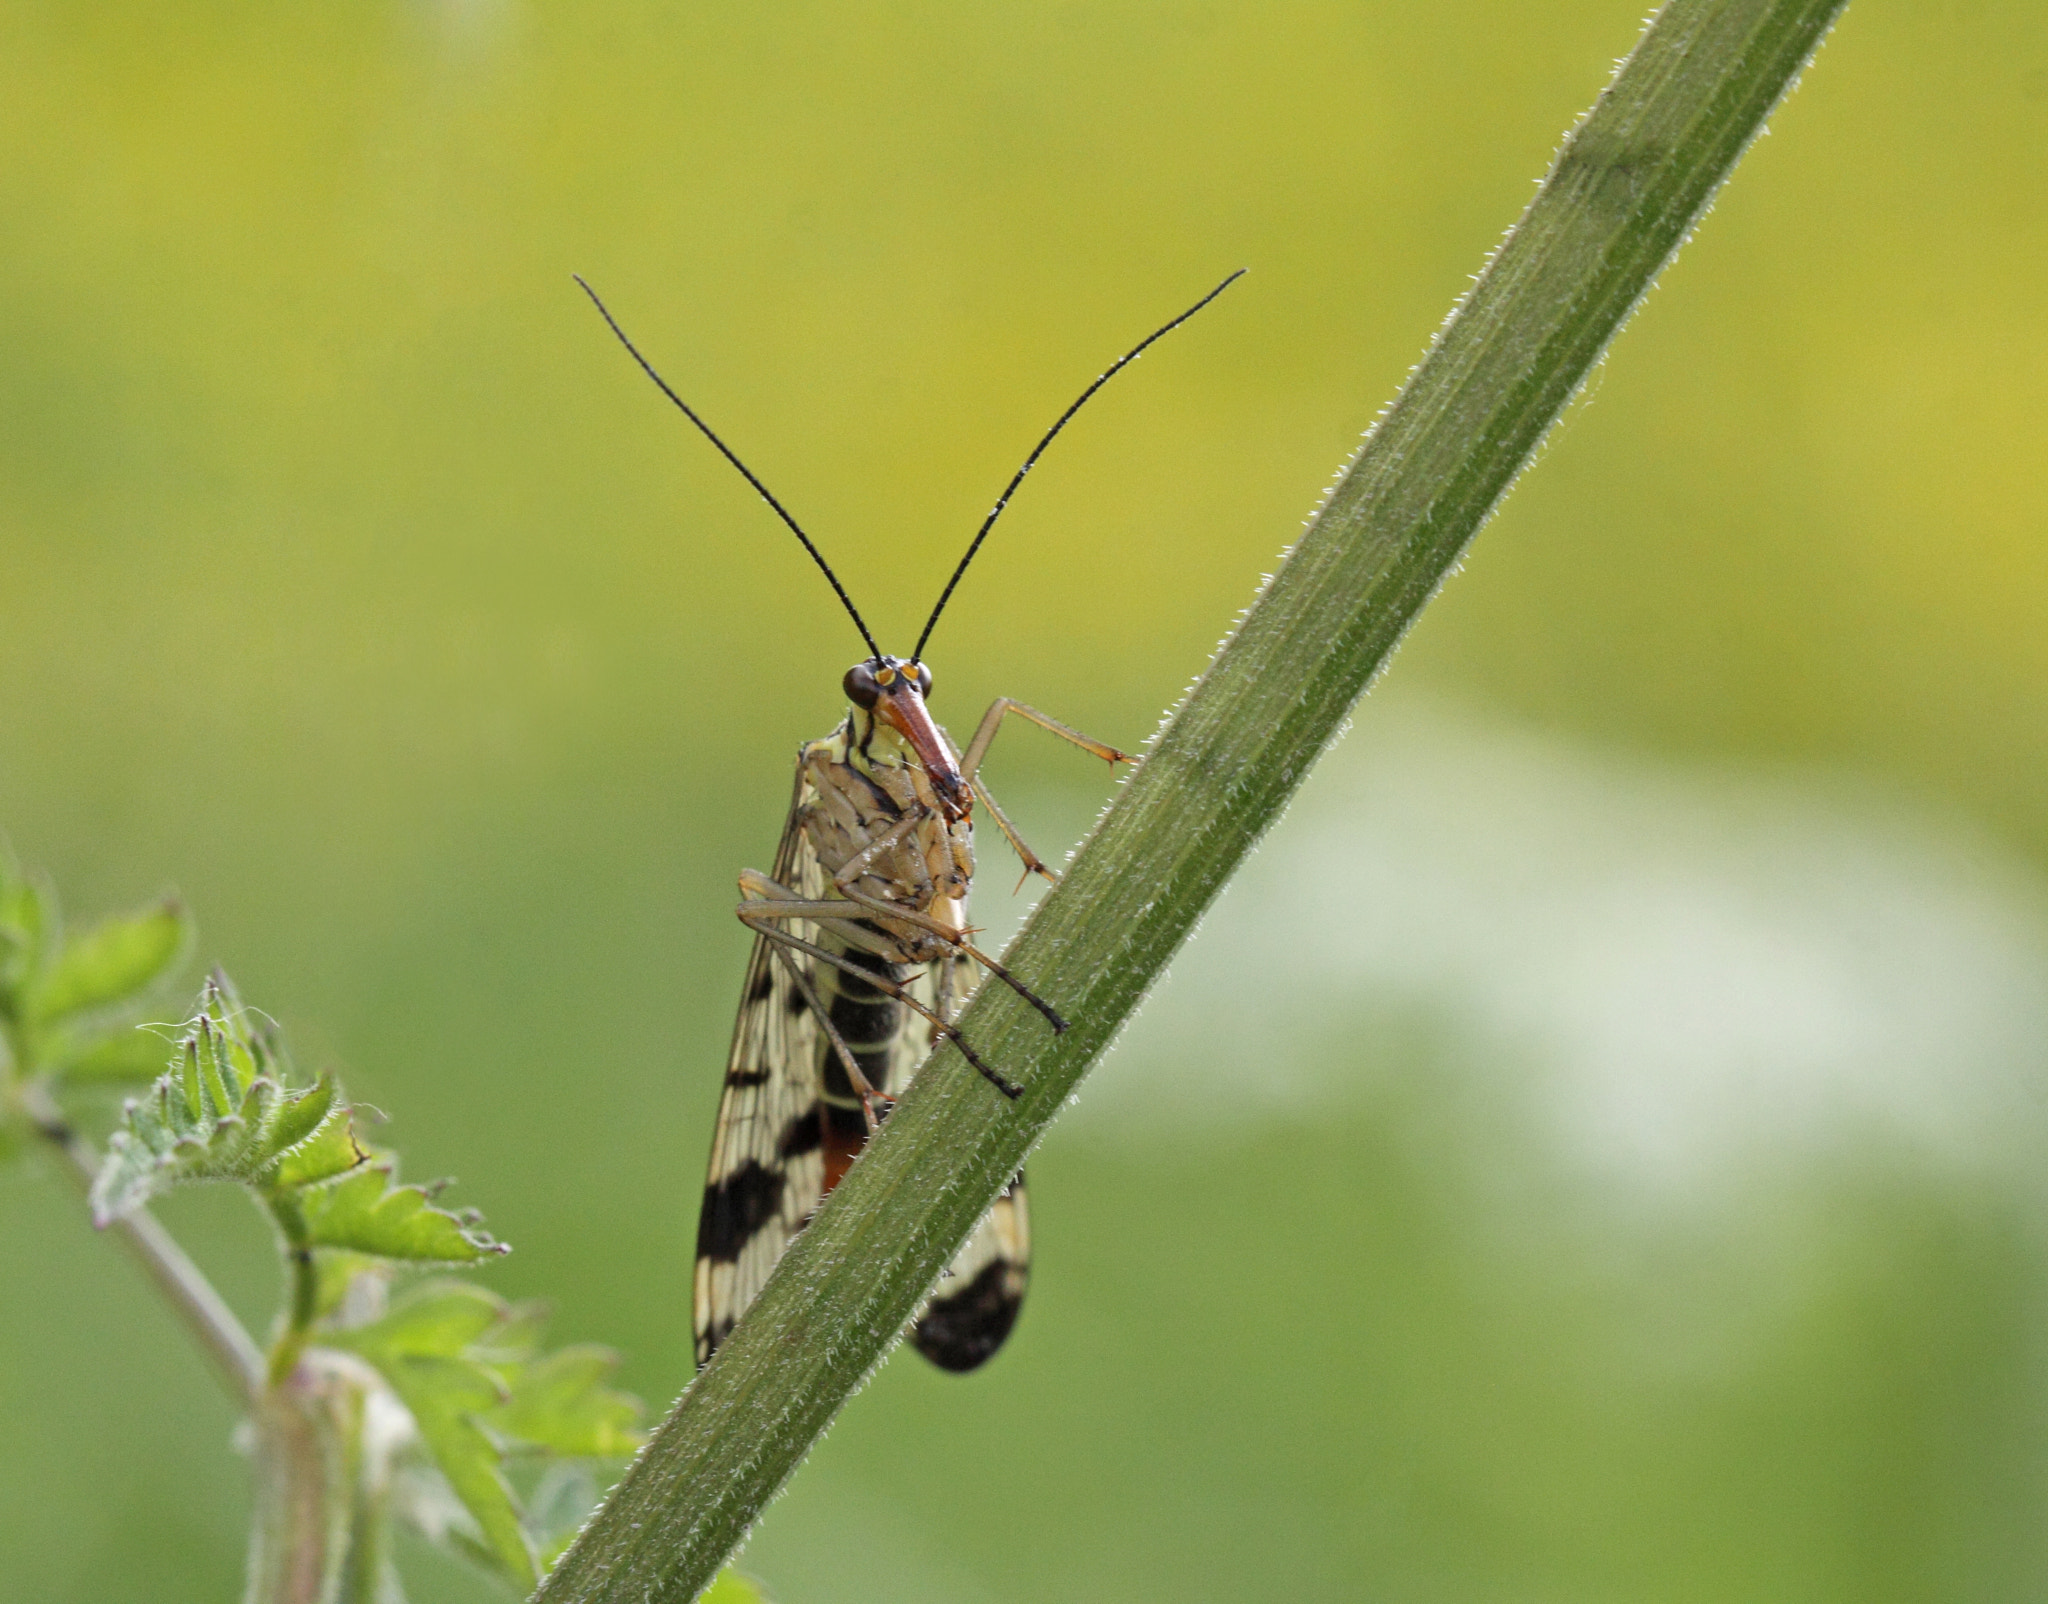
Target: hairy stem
point(1627, 186)
point(306, 1540)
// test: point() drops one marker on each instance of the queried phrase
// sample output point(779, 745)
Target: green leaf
point(181, 1131)
point(516, 1339)
point(555, 1403)
point(331, 1150)
point(301, 1118)
point(110, 963)
point(221, 1113)
point(561, 1405)
point(421, 1349)
point(443, 1347)
point(433, 1320)
point(344, 1280)
point(365, 1212)
point(445, 1397)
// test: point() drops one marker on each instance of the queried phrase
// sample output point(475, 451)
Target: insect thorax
point(855, 794)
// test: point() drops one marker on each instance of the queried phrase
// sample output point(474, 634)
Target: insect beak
point(902, 708)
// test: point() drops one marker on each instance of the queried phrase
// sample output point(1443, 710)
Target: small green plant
point(386, 1393)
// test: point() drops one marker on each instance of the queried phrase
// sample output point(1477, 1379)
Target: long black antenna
point(747, 473)
point(1037, 451)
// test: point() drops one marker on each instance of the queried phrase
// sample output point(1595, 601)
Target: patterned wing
point(976, 1302)
point(788, 1128)
point(767, 1173)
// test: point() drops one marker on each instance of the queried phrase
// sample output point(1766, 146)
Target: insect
point(861, 963)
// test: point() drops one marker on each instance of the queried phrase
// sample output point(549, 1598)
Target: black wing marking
point(977, 1300)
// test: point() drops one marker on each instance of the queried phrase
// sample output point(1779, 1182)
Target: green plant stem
point(302, 1291)
point(184, 1285)
point(1627, 186)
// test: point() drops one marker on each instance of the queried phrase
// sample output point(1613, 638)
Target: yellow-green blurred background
point(1593, 1153)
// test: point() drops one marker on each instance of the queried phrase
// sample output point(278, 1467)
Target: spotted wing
point(976, 1302)
point(767, 1174)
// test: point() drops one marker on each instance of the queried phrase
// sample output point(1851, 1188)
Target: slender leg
point(863, 1087)
point(861, 861)
point(756, 885)
point(1033, 863)
point(985, 733)
point(844, 920)
point(977, 749)
point(760, 915)
point(765, 894)
point(1052, 1017)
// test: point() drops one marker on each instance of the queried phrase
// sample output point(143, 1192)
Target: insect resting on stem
point(861, 938)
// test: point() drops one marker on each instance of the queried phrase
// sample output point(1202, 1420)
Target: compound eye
point(860, 686)
point(924, 681)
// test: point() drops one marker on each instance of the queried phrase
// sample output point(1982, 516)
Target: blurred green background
point(1593, 1153)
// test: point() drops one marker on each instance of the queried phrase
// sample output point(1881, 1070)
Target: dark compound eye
point(860, 686)
point(924, 681)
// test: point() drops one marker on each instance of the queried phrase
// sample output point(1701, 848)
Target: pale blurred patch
point(1680, 979)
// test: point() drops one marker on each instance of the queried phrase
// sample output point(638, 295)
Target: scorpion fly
point(861, 963)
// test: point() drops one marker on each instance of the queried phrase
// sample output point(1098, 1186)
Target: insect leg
point(1052, 1018)
point(845, 917)
point(954, 938)
point(859, 863)
point(759, 914)
point(977, 749)
point(844, 883)
point(985, 733)
point(1033, 863)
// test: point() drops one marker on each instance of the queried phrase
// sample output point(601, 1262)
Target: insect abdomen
point(868, 1023)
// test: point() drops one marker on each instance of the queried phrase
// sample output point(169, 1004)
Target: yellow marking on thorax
point(886, 748)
